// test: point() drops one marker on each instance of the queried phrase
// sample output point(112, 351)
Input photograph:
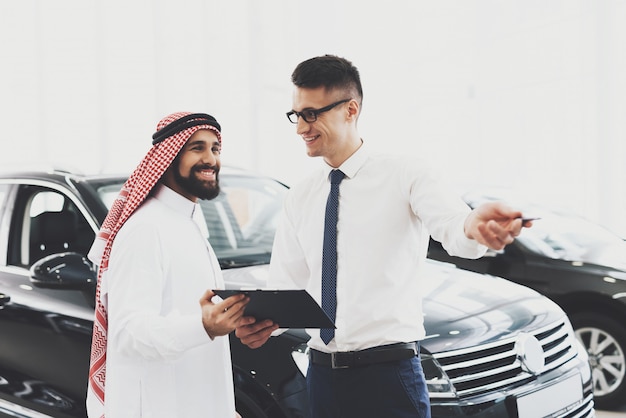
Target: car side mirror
point(70, 271)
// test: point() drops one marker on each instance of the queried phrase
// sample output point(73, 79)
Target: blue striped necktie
point(329, 255)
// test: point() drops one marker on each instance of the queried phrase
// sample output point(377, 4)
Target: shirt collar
point(170, 198)
point(353, 164)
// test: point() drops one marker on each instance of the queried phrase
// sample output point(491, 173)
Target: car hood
point(247, 278)
point(464, 309)
point(461, 309)
point(612, 257)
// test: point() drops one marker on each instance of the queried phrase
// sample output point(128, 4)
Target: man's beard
point(205, 190)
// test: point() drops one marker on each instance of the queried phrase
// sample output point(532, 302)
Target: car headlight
point(583, 355)
point(585, 373)
point(300, 355)
point(439, 386)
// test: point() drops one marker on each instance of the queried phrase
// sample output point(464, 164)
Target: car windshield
point(241, 221)
point(560, 234)
point(572, 238)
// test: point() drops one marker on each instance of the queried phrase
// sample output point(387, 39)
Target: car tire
point(605, 342)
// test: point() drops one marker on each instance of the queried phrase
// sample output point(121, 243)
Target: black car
point(579, 265)
point(493, 348)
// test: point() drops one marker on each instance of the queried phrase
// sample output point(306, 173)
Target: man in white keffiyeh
point(156, 351)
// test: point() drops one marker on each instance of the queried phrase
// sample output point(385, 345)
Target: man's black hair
point(331, 72)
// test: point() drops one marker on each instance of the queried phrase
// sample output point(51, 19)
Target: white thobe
point(160, 360)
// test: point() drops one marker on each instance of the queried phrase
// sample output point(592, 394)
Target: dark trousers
point(385, 390)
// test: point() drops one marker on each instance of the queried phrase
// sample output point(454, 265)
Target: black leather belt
point(381, 354)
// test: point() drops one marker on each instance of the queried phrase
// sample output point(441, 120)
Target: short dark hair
point(331, 72)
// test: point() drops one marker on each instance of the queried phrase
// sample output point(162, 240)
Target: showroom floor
point(620, 413)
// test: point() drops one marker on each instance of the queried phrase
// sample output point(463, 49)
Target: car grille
point(492, 367)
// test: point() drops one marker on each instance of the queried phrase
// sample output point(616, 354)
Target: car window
point(240, 222)
point(46, 202)
point(46, 222)
point(4, 191)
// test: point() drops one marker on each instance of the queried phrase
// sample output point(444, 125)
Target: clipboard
point(287, 308)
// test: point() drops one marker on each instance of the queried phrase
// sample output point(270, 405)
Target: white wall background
point(529, 94)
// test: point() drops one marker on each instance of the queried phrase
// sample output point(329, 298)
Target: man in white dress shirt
point(160, 345)
point(388, 208)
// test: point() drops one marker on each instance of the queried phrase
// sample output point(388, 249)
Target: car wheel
point(605, 342)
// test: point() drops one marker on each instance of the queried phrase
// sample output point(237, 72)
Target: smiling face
point(194, 172)
point(333, 135)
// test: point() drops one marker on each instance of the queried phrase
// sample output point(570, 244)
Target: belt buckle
point(338, 360)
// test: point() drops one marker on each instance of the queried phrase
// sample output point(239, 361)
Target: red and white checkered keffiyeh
point(132, 194)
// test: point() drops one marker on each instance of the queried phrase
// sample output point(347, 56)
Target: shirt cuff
point(466, 247)
point(469, 248)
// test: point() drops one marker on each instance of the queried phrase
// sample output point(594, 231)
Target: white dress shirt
point(160, 360)
point(388, 206)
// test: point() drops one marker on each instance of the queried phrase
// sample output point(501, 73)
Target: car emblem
point(529, 353)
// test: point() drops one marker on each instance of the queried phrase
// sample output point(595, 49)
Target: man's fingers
point(256, 328)
point(256, 340)
point(206, 297)
point(256, 344)
point(245, 320)
point(234, 306)
point(232, 302)
point(490, 235)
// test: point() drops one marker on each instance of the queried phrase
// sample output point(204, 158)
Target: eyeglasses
point(310, 115)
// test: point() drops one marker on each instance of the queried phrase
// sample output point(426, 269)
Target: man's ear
point(353, 109)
